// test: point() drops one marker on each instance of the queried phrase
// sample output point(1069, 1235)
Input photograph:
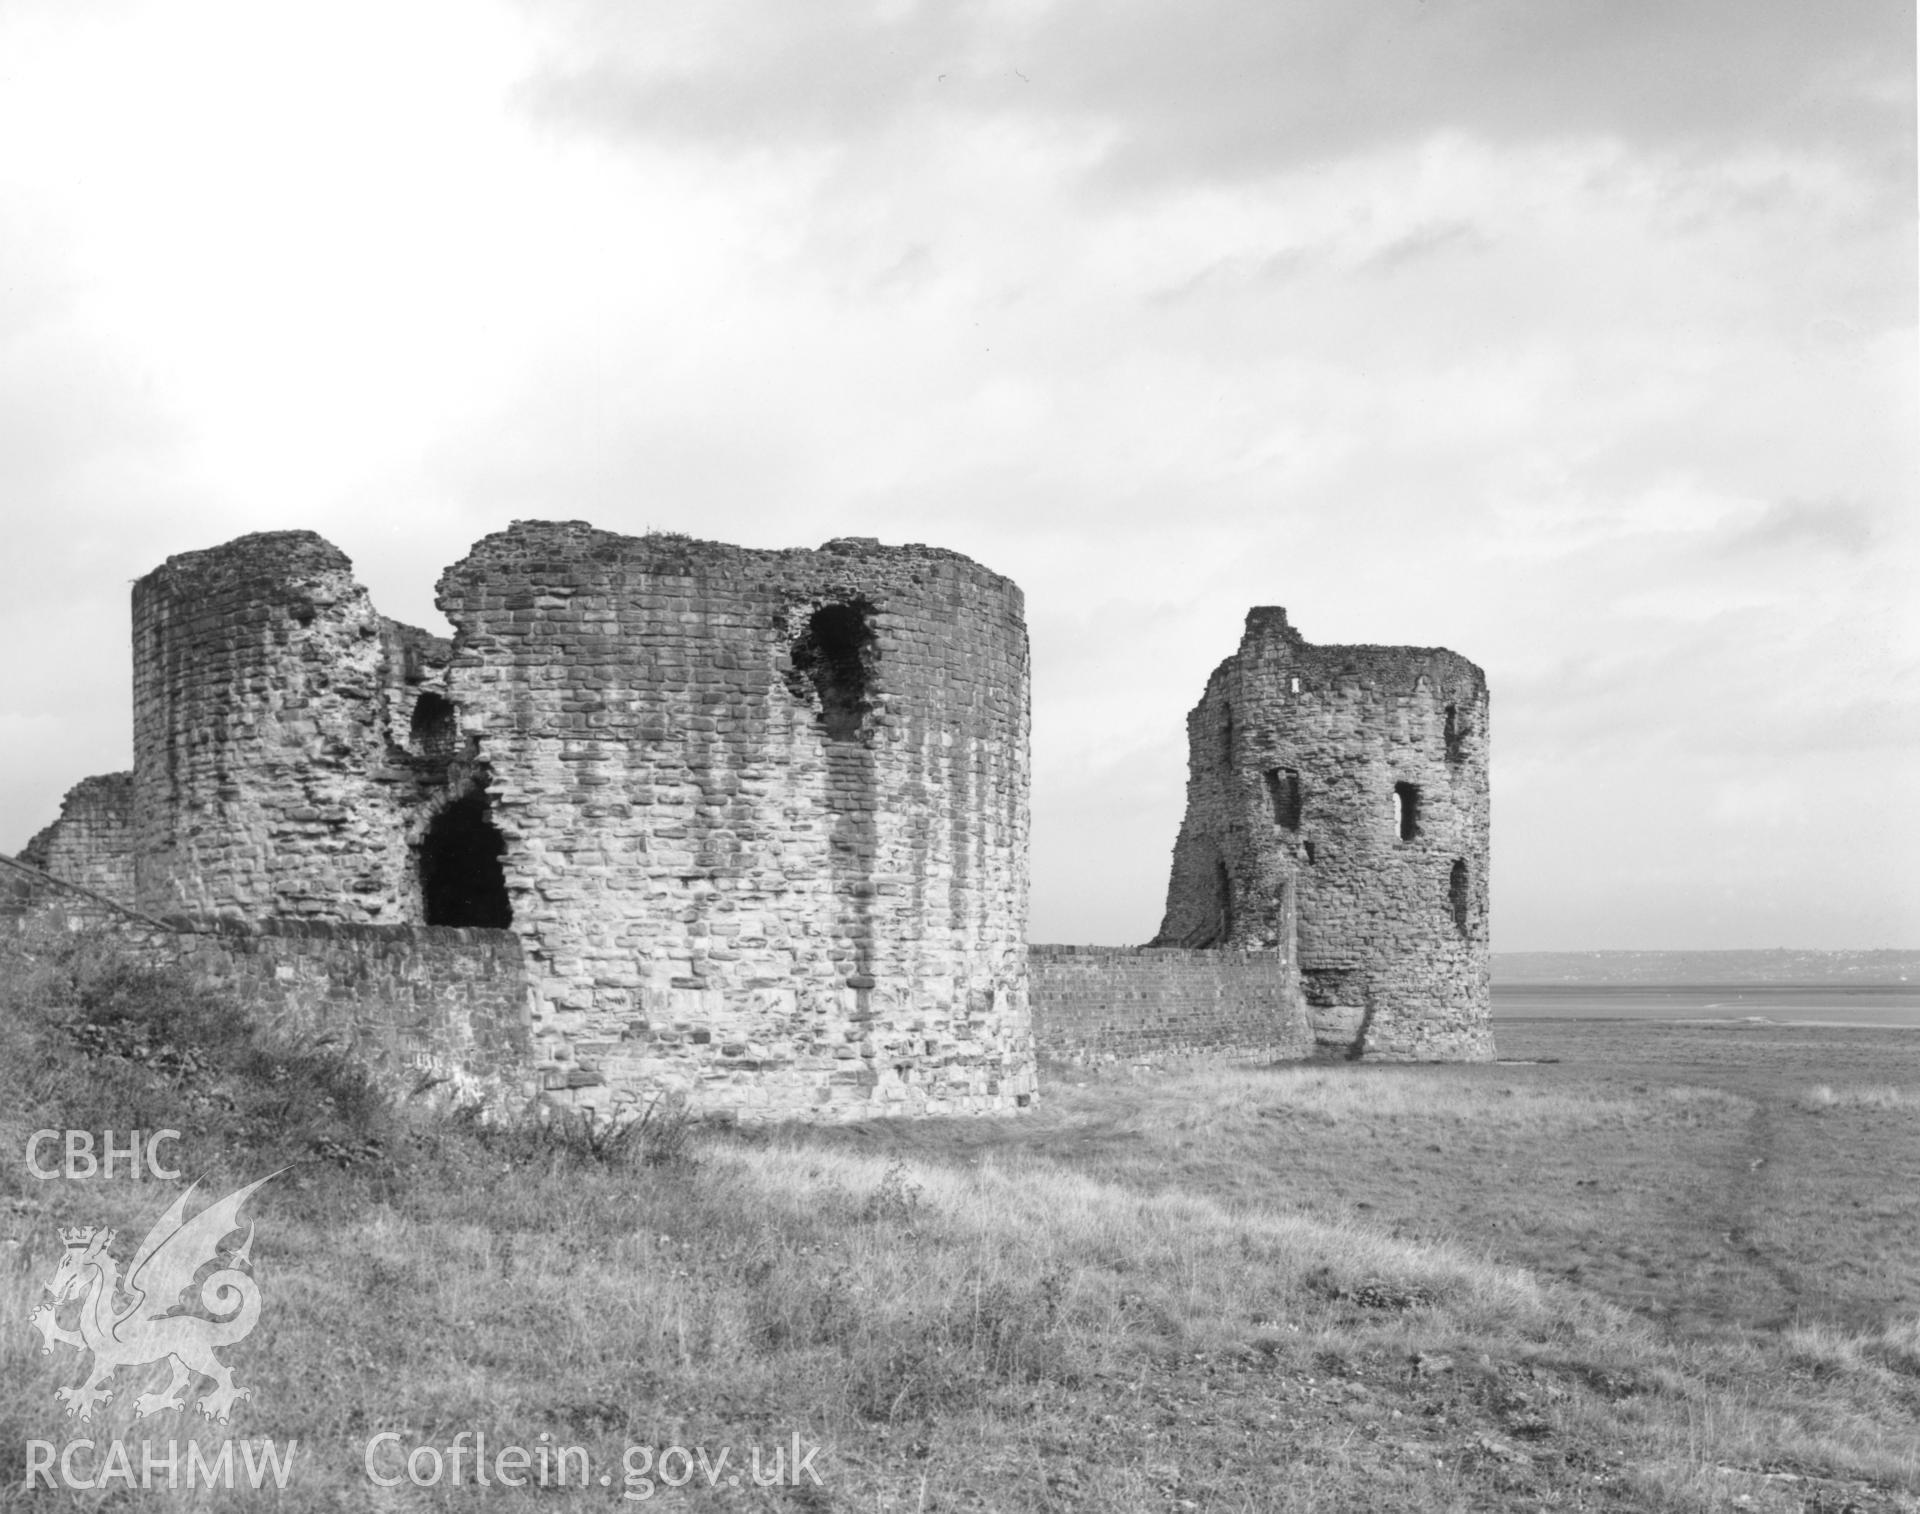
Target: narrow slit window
point(1226, 735)
point(1283, 786)
point(1458, 898)
point(1456, 735)
point(1406, 810)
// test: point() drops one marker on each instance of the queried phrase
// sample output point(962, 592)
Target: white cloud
point(1583, 345)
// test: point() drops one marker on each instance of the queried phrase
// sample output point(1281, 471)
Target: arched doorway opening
point(461, 880)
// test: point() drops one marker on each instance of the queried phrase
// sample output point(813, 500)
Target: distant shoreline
point(1738, 986)
point(1757, 1022)
point(1825, 1005)
point(1780, 967)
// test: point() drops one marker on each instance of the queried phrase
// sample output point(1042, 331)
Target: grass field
point(1643, 1267)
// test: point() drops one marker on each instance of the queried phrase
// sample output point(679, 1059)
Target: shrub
point(557, 1136)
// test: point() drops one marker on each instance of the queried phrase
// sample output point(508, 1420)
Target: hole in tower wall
point(1457, 897)
point(461, 880)
point(1283, 787)
point(1223, 903)
point(835, 655)
point(435, 731)
point(1406, 810)
point(1456, 735)
point(1280, 937)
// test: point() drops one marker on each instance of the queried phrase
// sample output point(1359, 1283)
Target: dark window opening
point(1306, 851)
point(1283, 786)
point(434, 731)
point(1226, 735)
point(1223, 886)
point(461, 881)
point(1457, 895)
point(835, 653)
point(1456, 735)
point(1406, 810)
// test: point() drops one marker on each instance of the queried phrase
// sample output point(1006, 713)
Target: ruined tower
point(764, 814)
point(1337, 797)
point(272, 737)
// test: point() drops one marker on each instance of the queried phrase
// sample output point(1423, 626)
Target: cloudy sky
point(1576, 336)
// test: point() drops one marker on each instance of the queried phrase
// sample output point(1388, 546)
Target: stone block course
point(1101, 1004)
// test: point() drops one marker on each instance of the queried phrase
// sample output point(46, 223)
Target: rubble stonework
point(1339, 795)
point(92, 841)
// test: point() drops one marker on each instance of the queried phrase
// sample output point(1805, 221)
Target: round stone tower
point(1338, 796)
point(258, 740)
point(763, 815)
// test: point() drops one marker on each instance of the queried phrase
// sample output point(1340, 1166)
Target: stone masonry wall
point(406, 999)
point(92, 841)
point(764, 815)
point(28, 890)
point(1114, 1003)
point(273, 775)
point(402, 997)
point(1346, 785)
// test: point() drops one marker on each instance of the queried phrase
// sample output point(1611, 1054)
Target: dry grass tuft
point(1823, 1097)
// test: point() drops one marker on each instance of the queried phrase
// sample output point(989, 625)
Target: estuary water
point(1760, 1003)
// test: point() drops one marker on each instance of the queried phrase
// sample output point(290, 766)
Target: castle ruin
point(758, 819)
point(752, 826)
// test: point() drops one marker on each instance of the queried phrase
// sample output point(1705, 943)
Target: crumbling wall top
point(546, 549)
point(91, 842)
point(263, 554)
point(1270, 638)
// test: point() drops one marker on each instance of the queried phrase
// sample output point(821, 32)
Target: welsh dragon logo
point(140, 1320)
